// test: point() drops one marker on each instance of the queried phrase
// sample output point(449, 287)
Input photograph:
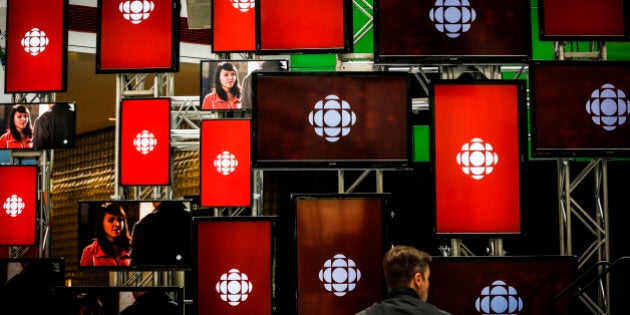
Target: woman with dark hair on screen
point(20, 132)
point(112, 242)
point(226, 93)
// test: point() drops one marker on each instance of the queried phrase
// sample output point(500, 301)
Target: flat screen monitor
point(233, 26)
point(479, 147)
point(576, 20)
point(237, 75)
point(18, 196)
point(446, 32)
point(137, 36)
point(339, 245)
point(36, 46)
point(38, 126)
point(153, 234)
point(580, 108)
point(116, 300)
point(234, 265)
point(502, 285)
point(300, 26)
point(331, 120)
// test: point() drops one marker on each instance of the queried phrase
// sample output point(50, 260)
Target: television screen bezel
point(538, 153)
point(73, 104)
point(241, 79)
point(347, 29)
point(204, 216)
point(543, 36)
point(434, 59)
point(81, 227)
point(521, 86)
point(397, 164)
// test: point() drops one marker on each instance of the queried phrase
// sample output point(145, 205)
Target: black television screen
point(562, 20)
point(331, 119)
point(24, 283)
point(116, 300)
point(150, 234)
point(37, 126)
point(429, 31)
point(235, 79)
point(580, 108)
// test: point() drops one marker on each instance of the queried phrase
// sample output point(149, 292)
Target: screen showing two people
point(37, 126)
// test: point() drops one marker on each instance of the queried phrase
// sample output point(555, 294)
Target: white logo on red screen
point(14, 205)
point(136, 11)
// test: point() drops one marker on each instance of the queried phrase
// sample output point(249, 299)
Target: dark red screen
point(583, 18)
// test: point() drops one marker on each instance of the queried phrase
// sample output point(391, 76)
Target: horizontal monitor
point(37, 126)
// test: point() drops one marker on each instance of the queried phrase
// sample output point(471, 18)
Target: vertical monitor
point(36, 46)
point(580, 108)
point(18, 196)
point(478, 143)
point(234, 265)
point(428, 31)
point(145, 150)
point(37, 126)
point(339, 243)
point(137, 36)
point(225, 163)
point(233, 26)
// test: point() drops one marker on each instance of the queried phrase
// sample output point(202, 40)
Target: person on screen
point(407, 272)
point(55, 128)
point(266, 66)
point(226, 92)
point(112, 243)
point(163, 237)
point(19, 134)
point(152, 302)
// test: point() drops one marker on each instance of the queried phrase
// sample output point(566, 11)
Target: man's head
point(405, 266)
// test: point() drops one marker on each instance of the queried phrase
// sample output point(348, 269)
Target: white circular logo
point(234, 287)
point(34, 41)
point(243, 5)
point(332, 118)
point(608, 106)
point(477, 158)
point(225, 163)
point(136, 11)
point(14, 205)
point(339, 275)
point(145, 142)
point(452, 17)
point(499, 298)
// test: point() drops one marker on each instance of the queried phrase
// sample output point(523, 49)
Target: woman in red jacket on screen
point(227, 89)
point(112, 243)
point(20, 132)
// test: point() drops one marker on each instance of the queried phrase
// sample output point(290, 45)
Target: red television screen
point(233, 26)
point(137, 36)
point(300, 26)
point(584, 20)
point(36, 46)
point(331, 119)
point(234, 265)
point(145, 150)
point(580, 108)
point(502, 285)
point(429, 31)
point(227, 84)
point(18, 195)
point(339, 250)
point(478, 142)
point(225, 163)
point(36, 126)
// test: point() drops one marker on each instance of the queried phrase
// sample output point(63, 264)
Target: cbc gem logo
point(452, 17)
point(14, 205)
point(225, 163)
point(608, 107)
point(34, 41)
point(332, 118)
point(339, 275)
point(243, 5)
point(234, 287)
point(145, 142)
point(136, 11)
point(499, 298)
point(477, 158)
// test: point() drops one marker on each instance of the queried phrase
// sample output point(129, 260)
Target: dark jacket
point(402, 301)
